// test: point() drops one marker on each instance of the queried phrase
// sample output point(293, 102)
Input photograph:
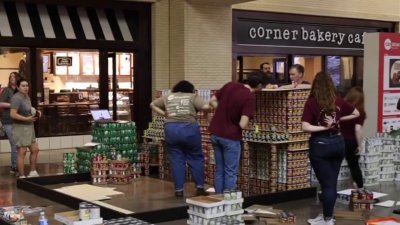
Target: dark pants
point(352, 159)
point(326, 156)
point(183, 141)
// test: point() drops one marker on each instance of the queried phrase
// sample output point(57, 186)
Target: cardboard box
point(72, 218)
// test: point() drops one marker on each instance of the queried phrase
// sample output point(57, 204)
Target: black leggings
point(352, 160)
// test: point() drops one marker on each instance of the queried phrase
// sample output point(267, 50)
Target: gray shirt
point(23, 106)
point(180, 107)
point(6, 96)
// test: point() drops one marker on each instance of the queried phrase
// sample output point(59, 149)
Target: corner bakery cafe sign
point(300, 35)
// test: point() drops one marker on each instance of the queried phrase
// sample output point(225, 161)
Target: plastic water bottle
point(43, 219)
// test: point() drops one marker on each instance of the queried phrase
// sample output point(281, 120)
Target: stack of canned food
point(69, 163)
point(361, 200)
point(88, 211)
point(121, 136)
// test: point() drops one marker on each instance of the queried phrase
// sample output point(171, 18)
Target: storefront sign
point(64, 61)
point(299, 35)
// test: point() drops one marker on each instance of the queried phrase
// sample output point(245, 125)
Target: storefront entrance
point(327, 44)
point(78, 58)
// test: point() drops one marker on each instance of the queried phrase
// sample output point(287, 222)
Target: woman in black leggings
point(352, 133)
point(322, 116)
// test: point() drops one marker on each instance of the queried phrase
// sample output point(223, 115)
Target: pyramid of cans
point(226, 209)
point(379, 159)
point(69, 163)
point(156, 127)
point(118, 135)
point(208, 151)
point(277, 148)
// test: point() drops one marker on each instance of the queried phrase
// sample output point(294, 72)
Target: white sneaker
point(323, 222)
point(33, 173)
point(319, 218)
point(21, 177)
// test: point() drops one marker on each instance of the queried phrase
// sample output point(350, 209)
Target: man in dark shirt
point(271, 82)
point(235, 104)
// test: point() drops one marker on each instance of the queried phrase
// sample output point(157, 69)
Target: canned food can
point(94, 212)
point(84, 213)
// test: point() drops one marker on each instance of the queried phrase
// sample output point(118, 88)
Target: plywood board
point(88, 192)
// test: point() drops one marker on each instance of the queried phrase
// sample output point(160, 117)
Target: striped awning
point(40, 21)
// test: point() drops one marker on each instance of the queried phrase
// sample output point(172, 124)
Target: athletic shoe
point(179, 194)
point(13, 170)
point(319, 218)
point(33, 173)
point(323, 222)
point(201, 192)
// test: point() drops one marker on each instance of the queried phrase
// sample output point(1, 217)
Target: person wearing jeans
point(5, 100)
point(14, 153)
point(182, 134)
point(322, 115)
point(235, 104)
point(183, 141)
point(227, 154)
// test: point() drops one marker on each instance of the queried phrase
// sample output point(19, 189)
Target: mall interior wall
point(193, 40)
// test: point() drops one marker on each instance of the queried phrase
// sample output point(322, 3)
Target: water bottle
point(43, 219)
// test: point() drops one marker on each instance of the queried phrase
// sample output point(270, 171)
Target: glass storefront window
point(68, 99)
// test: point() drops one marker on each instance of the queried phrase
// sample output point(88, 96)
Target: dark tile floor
point(153, 194)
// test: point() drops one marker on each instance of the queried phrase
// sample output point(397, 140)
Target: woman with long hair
point(352, 133)
point(322, 115)
point(6, 120)
point(182, 134)
point(23, 131)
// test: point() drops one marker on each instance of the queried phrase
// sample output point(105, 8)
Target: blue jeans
point(14, 152)
point(183, 141)
point(227, 157)
point(326, 156)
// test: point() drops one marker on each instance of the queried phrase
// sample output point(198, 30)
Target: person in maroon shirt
point(235, 105)
point(322, 115)
point(352, 133)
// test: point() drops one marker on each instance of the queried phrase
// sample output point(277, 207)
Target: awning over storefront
point(40, 21)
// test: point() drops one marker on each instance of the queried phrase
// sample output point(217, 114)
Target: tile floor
point(10, 195)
